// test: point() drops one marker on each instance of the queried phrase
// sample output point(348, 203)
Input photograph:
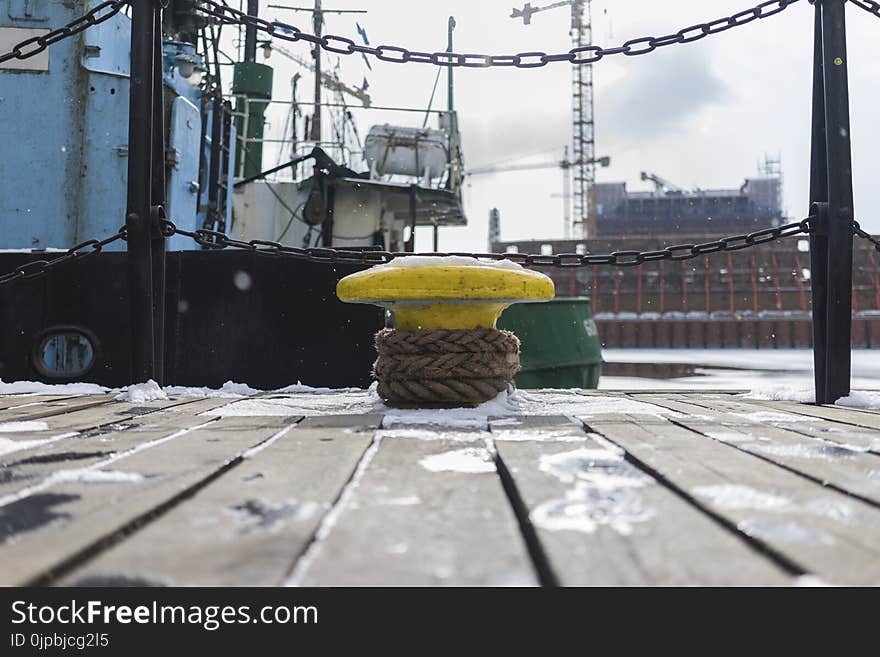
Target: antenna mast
point(317, 25)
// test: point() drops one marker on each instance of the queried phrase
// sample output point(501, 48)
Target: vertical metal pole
point(411, 242)
point(840, 201)
point(450, 98)
point(137, 220)
point(250, 33)
point(318, 23)
point(819, 194)
point(158, 199)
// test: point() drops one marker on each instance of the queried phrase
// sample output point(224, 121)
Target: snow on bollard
point(445, 349)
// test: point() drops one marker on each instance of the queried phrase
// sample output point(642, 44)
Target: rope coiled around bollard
point(445, 366)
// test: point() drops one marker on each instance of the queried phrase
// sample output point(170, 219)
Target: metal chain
point(584, 55)
point(369, 256)
point(36, 45)
point(857, 230)
point(211, 239)
point(869, 6)
point(38, 268)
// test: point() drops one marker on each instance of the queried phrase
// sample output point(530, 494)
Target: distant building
point(756, 204)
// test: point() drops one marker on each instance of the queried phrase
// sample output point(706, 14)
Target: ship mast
point(318, 22)
point(318, 12)
point(250, 33)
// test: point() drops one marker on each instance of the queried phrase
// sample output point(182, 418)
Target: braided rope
point(445, 367)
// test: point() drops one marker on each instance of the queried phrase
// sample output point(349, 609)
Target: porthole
point(65, 353)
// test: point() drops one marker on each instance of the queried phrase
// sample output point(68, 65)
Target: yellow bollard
point(446, 349)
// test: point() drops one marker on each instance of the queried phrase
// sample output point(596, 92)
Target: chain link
point(584, 55)
point(857, 230)
point(38, 268)
point(869, 6)
point(36, 45)
point(372, 256)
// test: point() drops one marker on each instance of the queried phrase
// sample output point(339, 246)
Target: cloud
point(514, 135)
point(659, 96)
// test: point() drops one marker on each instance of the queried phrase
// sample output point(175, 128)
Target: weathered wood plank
point(20, 400)
point(849, 470)
point(52, 527)
point(43, 453)
point(420, 512)
point(97, 415)
point(602, 521)
point(839, 414)
point(815, 529)
point(798, 418)
point(247, 527)
point(49, 408)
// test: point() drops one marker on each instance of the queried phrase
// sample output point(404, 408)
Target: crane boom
point(564, 164)
point(660, 184)
point(330, 81)
point(526, 12)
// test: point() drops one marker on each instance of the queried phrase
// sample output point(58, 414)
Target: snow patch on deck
point(861, 399)
point(504, 404)
point(578, 404)
point(776, 416)
point(734, 496)
point(430, 433)
point(823, 450)
point(317, 403)
point(228, 389)
point(141, 393)
point(856, 399)
point(604, 492)
point(541, 435)
point(783, 393)
point(734, 438)
point(37, 388)
point(8, 446)
point(786, 532)
point(470, 460)
point(91, 476)
point(23, 426)
point(453, 261)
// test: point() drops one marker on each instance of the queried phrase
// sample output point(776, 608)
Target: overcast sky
point(700, 114)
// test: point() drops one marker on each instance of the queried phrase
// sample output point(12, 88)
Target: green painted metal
point(254, 81)
point(560, 344)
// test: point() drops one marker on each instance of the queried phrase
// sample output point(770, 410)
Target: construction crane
point(583, 123)
point(661, 185)
point(330, 80)
point(564, 164)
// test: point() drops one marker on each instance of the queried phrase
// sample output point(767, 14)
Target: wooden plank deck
point(323, 489)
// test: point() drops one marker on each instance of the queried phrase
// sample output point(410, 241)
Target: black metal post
point(411, 242)
point(819, 194)
point(158, 200)
point(250, 33)
point(140, 164)
point(840, 201)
